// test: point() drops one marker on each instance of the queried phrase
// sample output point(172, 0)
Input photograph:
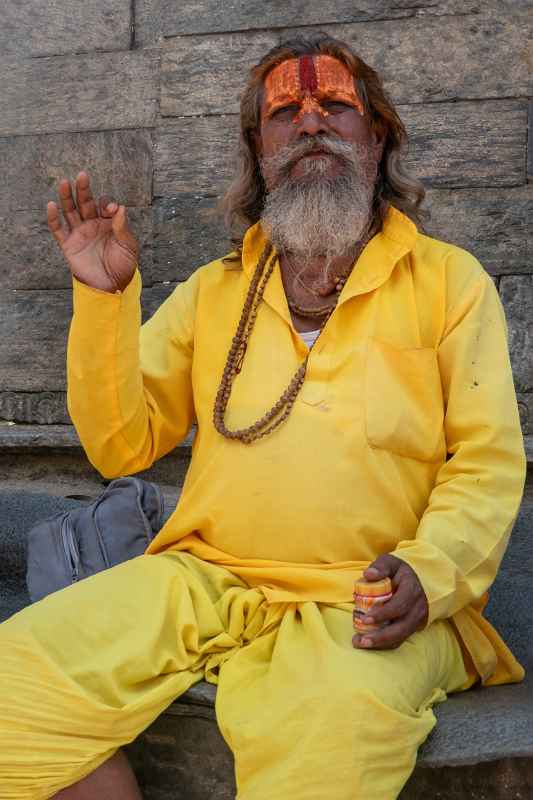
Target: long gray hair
point(243, 201)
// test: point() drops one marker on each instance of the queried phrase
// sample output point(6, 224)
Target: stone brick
point(462, 145)
point(56, 28)
point(186, 235)
point(496, 226)
point(33, 336)
point(97, 91)
point(206, 74)
point(31, 167)
point(516, 292)
point(419, 60)
point(207, 16)
point(195, 155)
point(43, 408)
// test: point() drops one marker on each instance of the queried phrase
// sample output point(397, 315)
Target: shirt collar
point(373, 267)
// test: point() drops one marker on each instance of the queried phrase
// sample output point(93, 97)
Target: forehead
point(318, 73)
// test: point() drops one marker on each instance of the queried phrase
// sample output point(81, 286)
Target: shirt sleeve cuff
point(95, 305)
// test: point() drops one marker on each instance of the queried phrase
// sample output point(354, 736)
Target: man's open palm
point(100, 249)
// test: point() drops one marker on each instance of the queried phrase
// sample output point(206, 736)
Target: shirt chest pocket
point(404, 408)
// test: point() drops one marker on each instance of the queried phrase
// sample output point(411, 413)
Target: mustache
point(282, 162)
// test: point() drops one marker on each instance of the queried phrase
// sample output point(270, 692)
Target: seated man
point(355, 410)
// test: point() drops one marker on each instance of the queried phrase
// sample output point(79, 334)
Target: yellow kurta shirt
point(405, 437)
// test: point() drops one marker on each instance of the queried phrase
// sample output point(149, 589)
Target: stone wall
point(144, 95)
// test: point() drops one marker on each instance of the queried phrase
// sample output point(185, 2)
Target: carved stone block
point(206, 74)
point(195, 155)
point(496, 226)
point(516, 292)
point(460, 145)
point(419, 59)
point(31, 167)
point(33, 336)
point(84, 92)
point(43, 408)
point(209, 16)
point(186, 235)
point(463, 144)
point(55, 28)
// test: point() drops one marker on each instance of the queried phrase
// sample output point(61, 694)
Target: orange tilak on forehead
point(306, 82)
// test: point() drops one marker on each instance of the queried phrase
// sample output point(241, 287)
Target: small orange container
point(367, 594)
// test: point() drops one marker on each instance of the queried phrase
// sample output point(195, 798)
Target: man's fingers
point(84, 197)
point(68, 205)
point(384, 566)
point(107, 206)
point(59, 232)
point(401, 602)
point(389, 637)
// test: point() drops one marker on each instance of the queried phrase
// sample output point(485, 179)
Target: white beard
point(317, 215)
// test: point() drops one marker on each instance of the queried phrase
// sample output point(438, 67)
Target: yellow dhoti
point(306, 715)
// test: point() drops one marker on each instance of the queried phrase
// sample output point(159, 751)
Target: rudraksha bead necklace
point(282, 408)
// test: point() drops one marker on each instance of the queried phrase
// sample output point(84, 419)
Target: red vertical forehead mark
point(308, 76)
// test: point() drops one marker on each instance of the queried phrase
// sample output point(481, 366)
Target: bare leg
point(113, 779)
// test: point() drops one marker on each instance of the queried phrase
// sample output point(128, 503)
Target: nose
point(311, 123)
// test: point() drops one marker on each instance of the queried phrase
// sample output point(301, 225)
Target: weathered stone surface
point(195, 155)
point(183, 757)
point(419, 60)
point(53, 27)
point(452, 145)
point(423, 60)
point(32, 166)
point(33, 336)
point(528, 446)
point(496, 226)
point(32, 259)
point(26, 437)
point(43, 408)
point(525, 407)
point(530, 142)
point(467, 144)
point(54, 437)
point(208, 16)
point(150, 23)
point(96, 91)
point(516, 292)
point(206, 74)
point(186, 235)
point(504, 779)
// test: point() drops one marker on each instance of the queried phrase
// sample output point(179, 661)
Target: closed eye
point(283, 111)
point(335, 106)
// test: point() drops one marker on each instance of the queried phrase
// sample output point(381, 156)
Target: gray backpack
point(71, 545)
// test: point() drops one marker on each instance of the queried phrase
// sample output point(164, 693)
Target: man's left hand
point(407, 610)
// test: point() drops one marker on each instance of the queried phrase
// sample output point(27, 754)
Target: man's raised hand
point(406, 611)
point(98, 245)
